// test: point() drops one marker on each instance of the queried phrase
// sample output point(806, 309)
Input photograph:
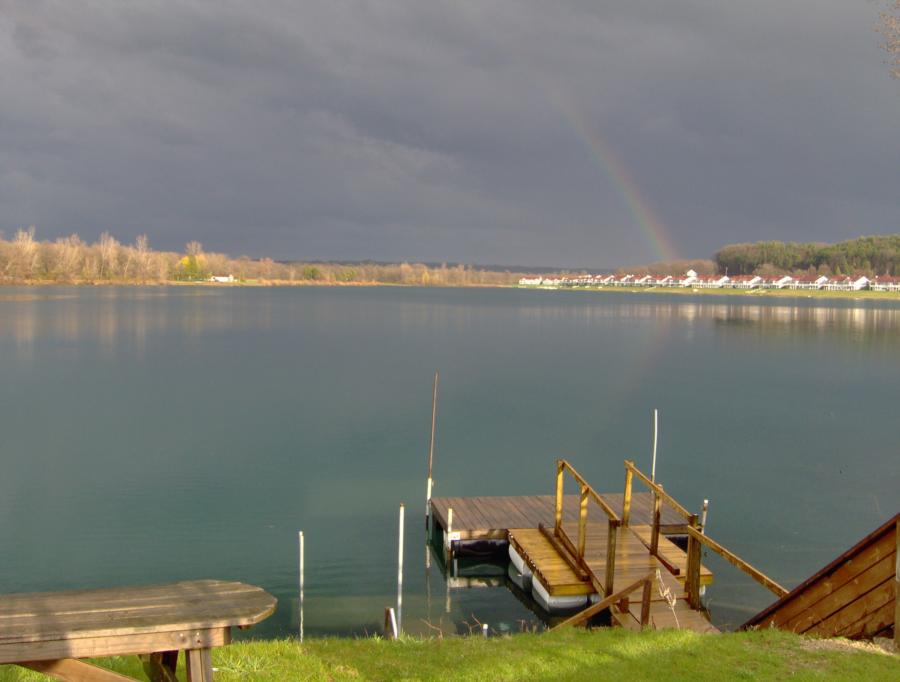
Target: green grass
point(568, 655)
point(753, 293)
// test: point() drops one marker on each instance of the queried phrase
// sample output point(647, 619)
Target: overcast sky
point(492, 132)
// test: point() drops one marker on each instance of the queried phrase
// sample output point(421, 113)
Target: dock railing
point(692, 583)
point(577, 548)
point(621, 598)
point(696, 537)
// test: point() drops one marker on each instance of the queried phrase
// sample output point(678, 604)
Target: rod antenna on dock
point(655, 437)
point(430, 484)
point(400, 575)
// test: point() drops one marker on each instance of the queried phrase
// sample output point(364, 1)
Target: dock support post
point(400, 575)
point(655, 435)
point(610, 556)
point(300, 538)
point(654, 537)
point(448, 545)
point(582, 522)
point(692, 579)
point(626, 502)
point(430, 483)
point(703, 516)
point(645, 602)
point(560, 481)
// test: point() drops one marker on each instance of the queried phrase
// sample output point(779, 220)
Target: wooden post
point(645, 602)
point(655, 434)
point(582, 521)
point(390, 623)
point(448, 549)
point(560, 481)
point(430, 483)
point(301, 583)
point(611, 556)
point(692, 579)
point(400, 575)
point(626, 502)
point(654, 537)
point(703, 516)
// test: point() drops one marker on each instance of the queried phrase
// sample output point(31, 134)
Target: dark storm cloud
point(442, 130)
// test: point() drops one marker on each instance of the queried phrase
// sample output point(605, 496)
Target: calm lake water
point(160, 434)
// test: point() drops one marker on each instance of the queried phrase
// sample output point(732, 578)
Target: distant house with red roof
point(745, 281)
point(846, 283)
point(885, 283)
point(808, 282)
point(711, 282)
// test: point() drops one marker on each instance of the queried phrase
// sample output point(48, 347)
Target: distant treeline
point(69, 260)
point(864, 256)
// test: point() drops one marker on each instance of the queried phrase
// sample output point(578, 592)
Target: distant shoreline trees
point(865, 256)
point(69, 260)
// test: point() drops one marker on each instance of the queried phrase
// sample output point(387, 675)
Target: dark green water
point(151, 435)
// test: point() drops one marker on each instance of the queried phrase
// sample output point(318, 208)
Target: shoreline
point(676, 291)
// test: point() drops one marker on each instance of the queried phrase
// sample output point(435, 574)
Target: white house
point(530, 281)
point(776, 282)
point(710, 282)
point(605, 280)
point(846, 283)
point(666, 281)
point(625, 281)
point(222, 279)
point(643, 281)
point(745, 281)
point(885, 283)
point(808, 282)
point(689, 278)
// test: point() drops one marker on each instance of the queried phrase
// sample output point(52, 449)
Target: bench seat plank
point(117, 621)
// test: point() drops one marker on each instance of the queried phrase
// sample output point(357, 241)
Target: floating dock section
point(621, 560)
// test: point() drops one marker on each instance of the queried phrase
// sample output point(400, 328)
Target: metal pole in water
point(400, 575)
point(430, 484)
point(301, 584)
point(655, 435)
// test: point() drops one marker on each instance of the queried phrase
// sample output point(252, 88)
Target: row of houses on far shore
point(694, 281)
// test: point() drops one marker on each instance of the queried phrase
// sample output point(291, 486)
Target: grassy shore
point(568, 655)
point(746, 293)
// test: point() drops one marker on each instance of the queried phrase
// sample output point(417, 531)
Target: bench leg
point(199, 665)
point(160, 667)
point(72, 670)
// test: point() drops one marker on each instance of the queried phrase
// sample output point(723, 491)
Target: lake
point(160, 434)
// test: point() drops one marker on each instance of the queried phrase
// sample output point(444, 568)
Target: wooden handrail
point(646, 582)
point(578, 549)
point(733, 559)
point(654, 487)
point(563, 465)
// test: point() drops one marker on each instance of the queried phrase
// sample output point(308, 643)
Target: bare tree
point(889, 27)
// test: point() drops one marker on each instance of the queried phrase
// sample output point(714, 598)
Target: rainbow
point(653, 229)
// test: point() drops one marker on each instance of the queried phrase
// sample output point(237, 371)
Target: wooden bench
point(50, 631)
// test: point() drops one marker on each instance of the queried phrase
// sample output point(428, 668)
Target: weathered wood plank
point(112, 645)
point(199, 665)
point(847, 593)
point(866, 605)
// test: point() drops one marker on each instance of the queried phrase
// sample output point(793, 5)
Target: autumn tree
point(889, 28)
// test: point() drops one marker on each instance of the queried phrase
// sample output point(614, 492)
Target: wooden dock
point(618, 555)
point(490, 518)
